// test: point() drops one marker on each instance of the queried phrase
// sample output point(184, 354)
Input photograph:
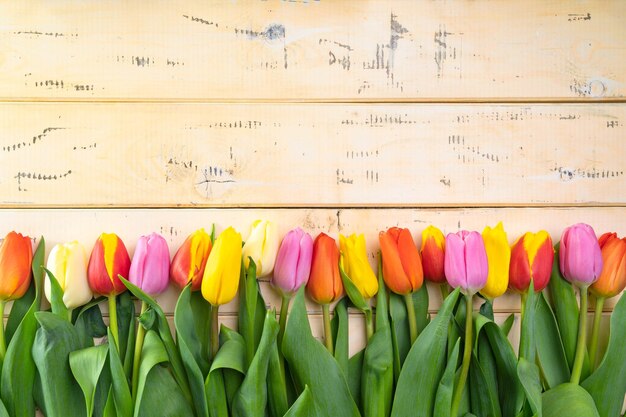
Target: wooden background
point(337, 116)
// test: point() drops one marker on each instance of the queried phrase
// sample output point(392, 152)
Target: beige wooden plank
point(354, 50)
point(61, 225)
point(138, 154)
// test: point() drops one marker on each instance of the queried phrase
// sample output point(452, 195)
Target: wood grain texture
point(284, 155)
point(313, 50)
point(61, 225)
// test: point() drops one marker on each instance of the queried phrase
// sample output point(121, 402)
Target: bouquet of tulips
point(65, 361)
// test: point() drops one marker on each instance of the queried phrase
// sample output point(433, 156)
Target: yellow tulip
point(498, 258)
point(221, 274)
point(356, 266)
point(262, 246)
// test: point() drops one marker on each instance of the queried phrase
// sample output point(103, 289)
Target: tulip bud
point(68, 264)
point(531, 258)
point(612, 280)
point(261, 246)
point(325, 284)
point(433, 255)
point(109, 258)
point(221, 275)
point(190, 260)
point(466, 261)
point(293, 262)
point(16, 257)
point(150, 267)
point(356, 266)
point(498, 258)
point(580, 257)
point(402, 266)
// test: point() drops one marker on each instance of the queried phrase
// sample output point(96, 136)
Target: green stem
point(138, 348)
point(467, 355)
point(282, 321)
point(113, 320)
point(328, 334)
point(593, 344)
point(215, 341)
point(523, 296)
point(3, 344)
point(582, 336)
point(410, 311)
point(369, 324)
point(445, 290)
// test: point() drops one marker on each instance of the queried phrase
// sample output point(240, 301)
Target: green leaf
point(528, 374)
point(353, 292)
point(550, 353)
point(152, 354)
point(19, 308)
point(377, 376)
point(89, 323)
point(486, 309)
point(126, 327)
point(527, 345)
point(607, 385)
point(165, 334)
point(277, 383)
point(162, 396)
point(565, 308)
point(54, 341)
point(443, 399)
point(342, 335)
point(56, 297)
point(192, 351)
point(86, 365)
point(18, 369)
point(3, 410)
point(424, 366)
point(248, 295)
point(304, 405)
point(488, 365)
point(229, 363)
point(420, 305)
point(568, 400)
point(251, 399)
point(216, 393)
point(120, 390)
point(311, 364)
point(483, 395)
point(355, 368)
point(507, 324)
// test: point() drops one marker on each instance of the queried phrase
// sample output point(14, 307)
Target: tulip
point(149, 269)
point(531, 259)
point(580, 261)
point(109, 259)
point(356, 266)
point(68, 263)
point(466, 261)
point(611, 282)
point(433, 255)
point(292, 269)
point(466, 267)
point(190, 259)
point(221, 277)
point(402, 266)
point(16, 257)
point(325, 285)
point(498, 258)
point(261, 246)
point(580, 257)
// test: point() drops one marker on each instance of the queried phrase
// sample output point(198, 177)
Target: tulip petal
point(454, 261)
point(475, 262)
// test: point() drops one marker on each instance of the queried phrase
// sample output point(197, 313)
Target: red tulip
point(109, 258)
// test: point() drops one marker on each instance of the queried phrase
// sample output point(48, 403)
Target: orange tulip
point(612, 280)
point(402, 266)
point(16, 257)
point(109, 258)
point(433, 254)
point(324, 285)
point(531, 258)
point(190, 260)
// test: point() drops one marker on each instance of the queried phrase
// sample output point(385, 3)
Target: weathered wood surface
point(224, 155)
point(313, 50)
point(62, 225)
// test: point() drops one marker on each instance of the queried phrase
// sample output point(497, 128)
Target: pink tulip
point(149, 269)
point(580, 256)
point(465, 261)
point(293, 262)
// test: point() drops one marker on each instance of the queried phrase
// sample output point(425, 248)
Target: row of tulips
point(459, 363)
